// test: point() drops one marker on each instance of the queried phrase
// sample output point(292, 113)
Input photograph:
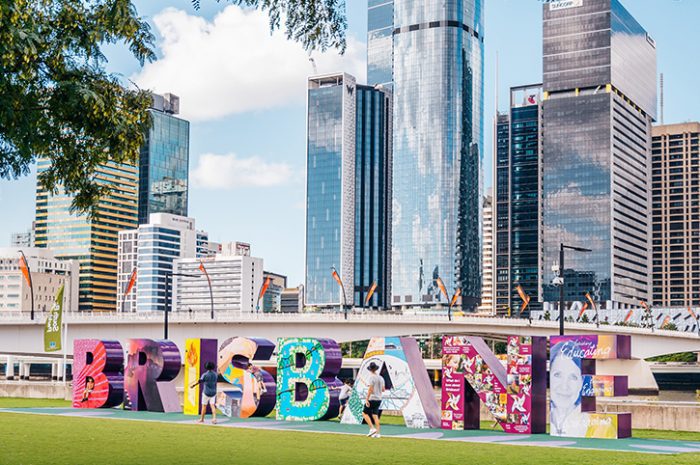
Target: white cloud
point(231, 172)
point(233, 64)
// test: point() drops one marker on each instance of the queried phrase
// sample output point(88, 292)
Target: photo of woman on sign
point(565, 392)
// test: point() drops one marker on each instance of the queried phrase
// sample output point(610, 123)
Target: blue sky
point(243, 91)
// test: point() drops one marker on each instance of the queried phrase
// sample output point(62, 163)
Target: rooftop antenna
point(661, 80)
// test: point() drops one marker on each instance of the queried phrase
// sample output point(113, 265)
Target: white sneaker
point(377, 435)
point(371, 433)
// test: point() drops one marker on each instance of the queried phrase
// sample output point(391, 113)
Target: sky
point(243, 90)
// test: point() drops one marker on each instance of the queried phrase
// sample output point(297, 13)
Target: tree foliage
point(56, 99)
point(316, 24)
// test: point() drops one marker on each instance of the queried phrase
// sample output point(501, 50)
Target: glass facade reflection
point(518, 210)
point(437, 148)
point(380, 37)
point(600, 94)
point(330, 189)
point(372, 196)
point(92, 242)
point(164, 164)
point(348, 185)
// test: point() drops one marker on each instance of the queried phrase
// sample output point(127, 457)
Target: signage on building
point(564, 4)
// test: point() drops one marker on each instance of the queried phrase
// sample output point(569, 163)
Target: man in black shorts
point(373, 400)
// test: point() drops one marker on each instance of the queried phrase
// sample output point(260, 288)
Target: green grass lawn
point(30, 439)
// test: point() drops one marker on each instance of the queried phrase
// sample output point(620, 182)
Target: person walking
point(209, 380)
point(373, 401)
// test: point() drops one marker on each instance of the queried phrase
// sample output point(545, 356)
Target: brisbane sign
point(512, 387)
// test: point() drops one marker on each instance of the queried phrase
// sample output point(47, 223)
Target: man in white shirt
point(373, 401)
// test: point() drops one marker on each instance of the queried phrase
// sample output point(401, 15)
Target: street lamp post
point(562, 247)
point(168, 276)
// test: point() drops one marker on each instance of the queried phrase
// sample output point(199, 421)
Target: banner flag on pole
point(629, 315)
point(443, 289)
point(458, 292)
point(524, 297)
point(52, 327)
point(370, 293)
point(24, 268)
point(583, 310)
point(132, 282)
point(263, 289)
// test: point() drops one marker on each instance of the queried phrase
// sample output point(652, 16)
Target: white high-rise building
point(47, 272)
point(151, 249)
point(235, 283)
point(487, 256)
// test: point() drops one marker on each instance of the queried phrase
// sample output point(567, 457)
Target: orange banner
point(25, 270)
point(441, 285)
point(370, 293)
point(583, 310)
point(336, 276)
point(132, 283)
point(458, 292)
point(629, 315)
point(263, 289)
point(588, 296)
point(523, 296)
point(692, 313)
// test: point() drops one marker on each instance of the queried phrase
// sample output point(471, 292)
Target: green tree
point(56, 99)
point(316, 24)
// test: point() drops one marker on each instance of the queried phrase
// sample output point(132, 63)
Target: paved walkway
point(655, 446)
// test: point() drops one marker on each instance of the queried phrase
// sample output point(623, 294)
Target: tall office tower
point(487, 267)
point(676, 217)
point(348, 185)
point(164, 161)
point(501, 214)
point(380, 42)
point(92, 242)
point(151, 250)
point(437, 52)
point(518, 209)
point(235, 283)
point(599, 103)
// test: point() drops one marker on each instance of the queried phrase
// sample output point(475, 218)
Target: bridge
point(21, 336)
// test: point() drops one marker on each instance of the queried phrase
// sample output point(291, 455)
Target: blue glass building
point(518, 212)
point(599, 103)
point(380, 37)
point(347, 214)
point(164, 161)
point(437, 51)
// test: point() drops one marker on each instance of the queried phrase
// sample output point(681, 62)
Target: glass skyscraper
point(164, 161)
point(92, 242)
point(599, 103)
point(518, 210)
point(348, 166)
point(431, 54)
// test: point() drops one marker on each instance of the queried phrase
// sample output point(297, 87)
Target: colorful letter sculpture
point(408, 385)
point(150, 368)
point(515, 394)
point(252, 390)
point(573, 386)
point(98, 378)
point(307, 387)
point(198, 352)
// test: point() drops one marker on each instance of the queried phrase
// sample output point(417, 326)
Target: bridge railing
point(361, 316)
